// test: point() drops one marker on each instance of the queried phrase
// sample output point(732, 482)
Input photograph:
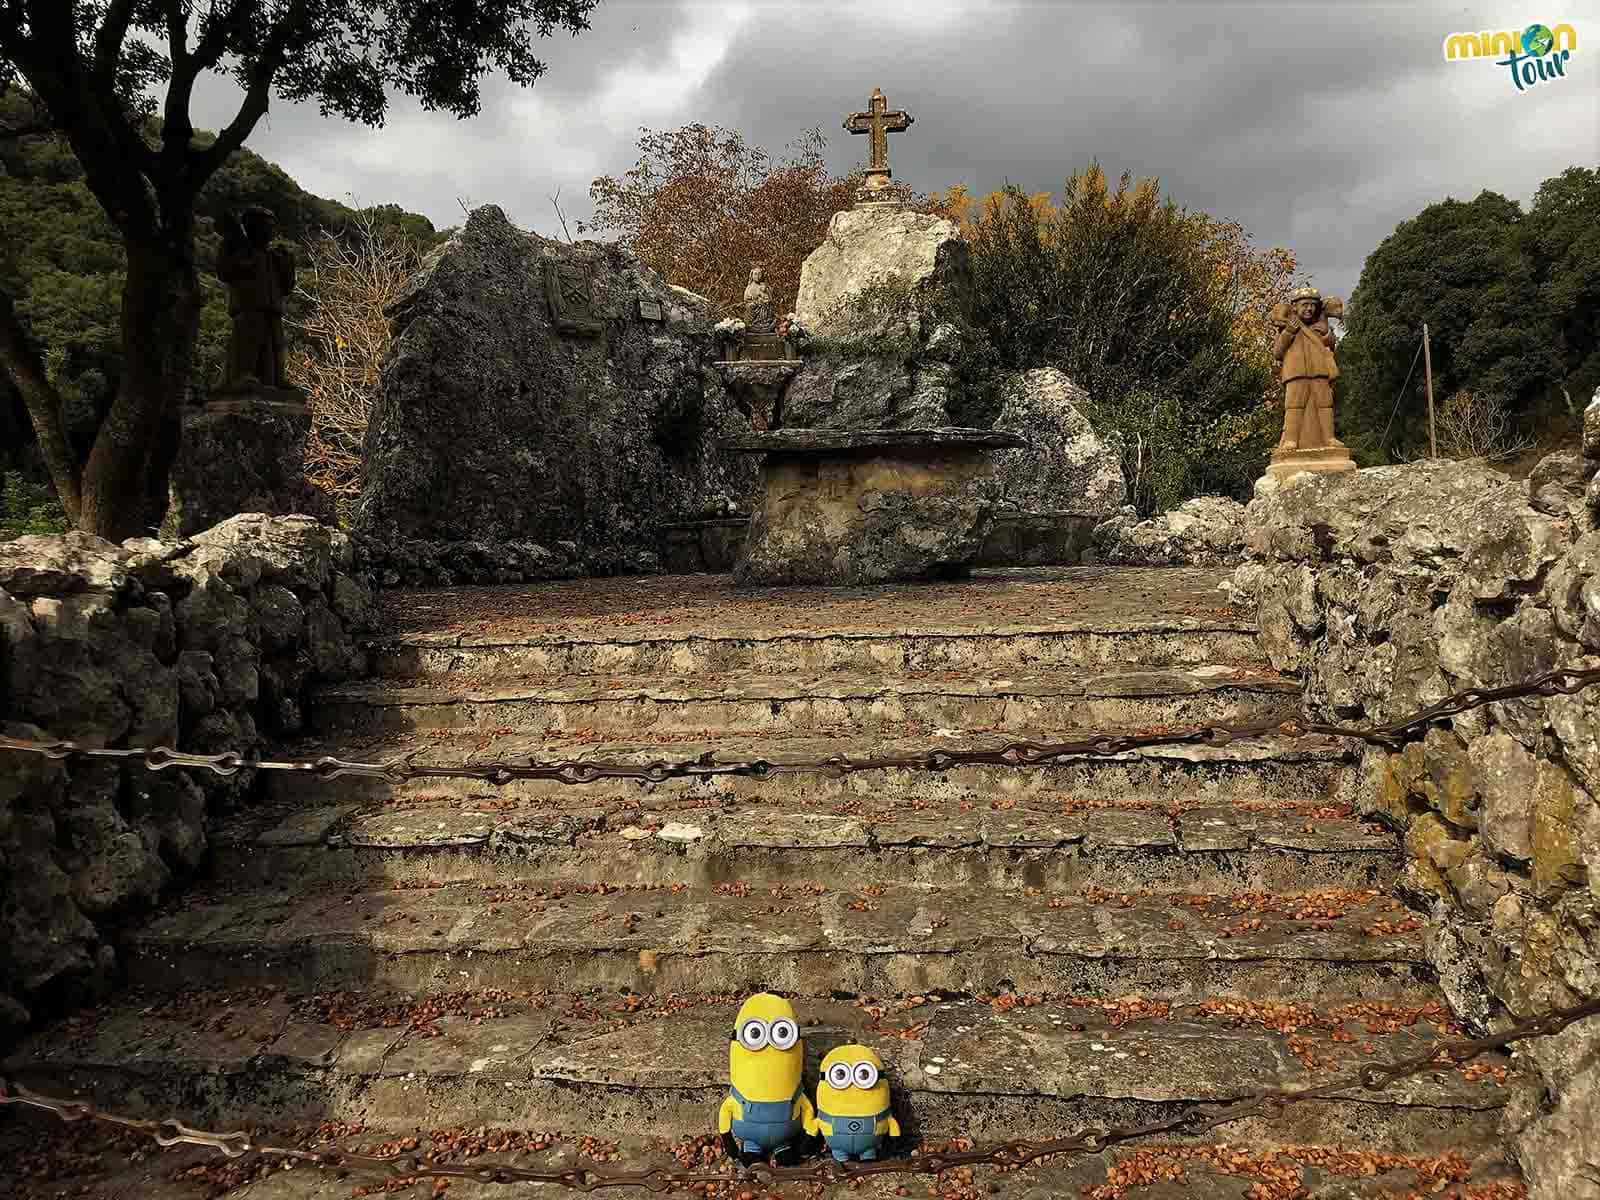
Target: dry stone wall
point(1389, 588)
point(207, 644)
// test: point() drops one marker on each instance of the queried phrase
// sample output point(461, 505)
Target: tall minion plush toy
point(767, 1110)
point(853, 1114)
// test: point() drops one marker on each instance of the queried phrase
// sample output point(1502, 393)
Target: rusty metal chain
point(1191, 1121)
point(1560, 682)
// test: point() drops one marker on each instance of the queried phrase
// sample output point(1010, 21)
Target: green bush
point(28, 507)
point(1167, 458)
point(1133, 298)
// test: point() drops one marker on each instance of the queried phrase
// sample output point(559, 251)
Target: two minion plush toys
point(767, 1112)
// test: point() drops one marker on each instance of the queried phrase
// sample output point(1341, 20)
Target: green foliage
point(28, 507)
point(63, 261)
point(1562, 236)
point(346, 54)
point(1167, 457)
point(1510, 302)
point(1124, 292)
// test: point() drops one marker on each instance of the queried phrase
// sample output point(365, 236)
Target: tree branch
point(214, 36)
point(108, 41)
point(176, 129)
point(256, 96)
point(43, 402)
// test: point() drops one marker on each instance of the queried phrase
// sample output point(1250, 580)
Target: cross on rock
point(880, 123)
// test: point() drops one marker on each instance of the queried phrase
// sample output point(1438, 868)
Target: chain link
point(1191, 1121)
point(1390, 735)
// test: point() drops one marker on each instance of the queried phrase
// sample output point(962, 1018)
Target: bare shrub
point(1477, 425)
point(350, 278)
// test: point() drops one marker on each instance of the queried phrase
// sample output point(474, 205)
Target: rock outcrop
point(881, 301)
point(208, 643)
point(540, 392)
point(1390, 588)
point(1207, 531)
point(1066, 467)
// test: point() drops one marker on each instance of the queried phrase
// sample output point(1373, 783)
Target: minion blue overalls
point(767, 1125)
point(856, 1136)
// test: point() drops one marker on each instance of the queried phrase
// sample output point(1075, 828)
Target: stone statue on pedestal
point(1304, 352)
point(259, 275)
point(759, 314)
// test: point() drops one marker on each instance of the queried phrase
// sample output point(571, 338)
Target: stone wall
point(206, 644)
point(1389, 588)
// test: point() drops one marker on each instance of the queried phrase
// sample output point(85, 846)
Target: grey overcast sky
point(1317, 125)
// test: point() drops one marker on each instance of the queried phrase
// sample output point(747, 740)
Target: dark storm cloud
point(1319, 126)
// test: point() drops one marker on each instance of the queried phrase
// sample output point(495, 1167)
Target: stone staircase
point(1097, 940)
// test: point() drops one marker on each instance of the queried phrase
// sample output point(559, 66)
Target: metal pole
point(1427, 375)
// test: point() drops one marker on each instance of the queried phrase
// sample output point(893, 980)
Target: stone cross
point(880, 123)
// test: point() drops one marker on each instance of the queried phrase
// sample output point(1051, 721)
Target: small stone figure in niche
point(259, 274)
point(759, 314)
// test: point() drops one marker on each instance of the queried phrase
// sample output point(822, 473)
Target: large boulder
point(541, 392)
point(870, 247)
point(1207, 531)
point(882, 304)
point(1066, 467)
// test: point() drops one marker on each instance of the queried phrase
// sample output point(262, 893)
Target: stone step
point(1003, 1068)
point(1171, 643)
point(749, 704)
point(88, 1161)
point(805, 938)
point(692, 625)
point(1245, 816)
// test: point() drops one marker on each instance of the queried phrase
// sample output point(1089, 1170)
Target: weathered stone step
point(1010, 1067)
point(89, 1161)
point(806, 938)
point(1157, 642)
point(690, 625)
point(1150, 832)
point(761, 704)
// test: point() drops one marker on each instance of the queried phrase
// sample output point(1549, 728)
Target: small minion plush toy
point(767, 1110)
point(853, 1114)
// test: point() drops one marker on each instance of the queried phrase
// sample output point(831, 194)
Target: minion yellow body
point(852, 1110)
point(766, 1109)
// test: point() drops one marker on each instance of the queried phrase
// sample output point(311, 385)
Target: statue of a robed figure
point(259, 274)
point(1304, 352)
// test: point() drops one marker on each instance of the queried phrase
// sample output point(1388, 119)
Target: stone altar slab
point(857, 507)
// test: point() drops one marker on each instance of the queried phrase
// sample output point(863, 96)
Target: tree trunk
point(125, 479)
point(39, 397)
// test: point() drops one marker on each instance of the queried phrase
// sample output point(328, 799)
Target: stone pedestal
point(244, 451)
point(857, 507)
point(757, 385)
point(1326, 460)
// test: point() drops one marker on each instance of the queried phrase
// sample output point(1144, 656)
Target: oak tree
point(115, 79)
